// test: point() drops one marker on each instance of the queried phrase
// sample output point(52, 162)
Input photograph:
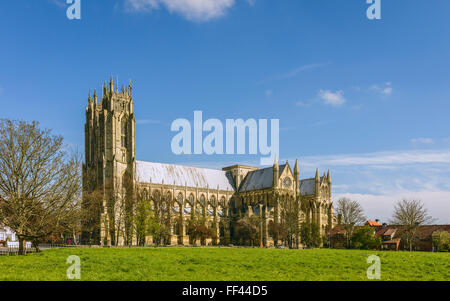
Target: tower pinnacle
point(111, 85)
point(296, 169)
point(130, 88)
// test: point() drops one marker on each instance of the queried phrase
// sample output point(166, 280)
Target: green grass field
point(211, 264)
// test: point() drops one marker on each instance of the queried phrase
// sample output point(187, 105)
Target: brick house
point(392, 236)
point(338, 234)
point(337, 237)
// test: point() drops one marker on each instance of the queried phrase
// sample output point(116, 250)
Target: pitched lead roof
point(183, 175)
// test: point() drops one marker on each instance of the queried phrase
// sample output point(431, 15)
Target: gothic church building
point(220, 196)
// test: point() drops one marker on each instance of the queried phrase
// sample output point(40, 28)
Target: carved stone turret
point(276, 170)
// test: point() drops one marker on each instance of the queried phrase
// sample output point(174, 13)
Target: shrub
point(364, 238)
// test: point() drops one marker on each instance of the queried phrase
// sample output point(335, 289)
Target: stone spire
point(317, 184)
point(275, 173)
point(111, 85)
point(130, 89)
point(296, 169)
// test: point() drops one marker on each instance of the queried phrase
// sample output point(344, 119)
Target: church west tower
point(109, 168)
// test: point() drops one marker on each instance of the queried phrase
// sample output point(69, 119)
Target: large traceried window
point(123, 133)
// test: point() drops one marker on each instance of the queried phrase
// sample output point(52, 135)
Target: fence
point(14, 249)
point(43, 247)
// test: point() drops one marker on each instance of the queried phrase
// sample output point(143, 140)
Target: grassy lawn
point(197, 264)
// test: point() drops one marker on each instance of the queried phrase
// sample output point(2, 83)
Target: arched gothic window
point(202, 200)
point(180, 198)
point(213, 200)
point(123, 132)
point(191, 199)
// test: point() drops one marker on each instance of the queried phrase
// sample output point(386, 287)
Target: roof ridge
point(181, 165)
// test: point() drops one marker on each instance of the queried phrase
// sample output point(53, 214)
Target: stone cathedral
point(220, 196)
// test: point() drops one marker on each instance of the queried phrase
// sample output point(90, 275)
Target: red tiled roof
point(424, 232)
point(390, 231)
point(427, 231)
point(373, 223)
point(339, 229)
point(393, 241)
point(381, 231)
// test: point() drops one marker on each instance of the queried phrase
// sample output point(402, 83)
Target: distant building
point(338, 238)
point(7, 235)
point(392, 236)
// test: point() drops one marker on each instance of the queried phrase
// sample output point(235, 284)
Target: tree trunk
point(22, 249)
point(74, 238)
point(36, 246)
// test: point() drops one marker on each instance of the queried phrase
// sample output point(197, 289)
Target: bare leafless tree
point(290, 221)
point(90, 215)
point(116, 203)
point(411, 214)
point(351, 214)
point(40, 183)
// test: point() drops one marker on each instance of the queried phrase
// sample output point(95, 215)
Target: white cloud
point(293, 72)
point(382, 158)
point(422, 140)
point(385, 89)
point(147, 121)
point(382, 206)
point(59, 3)
point(302, 104)
point(300, 69)
point(193, 10)
point(332, 98)
point(380, 179)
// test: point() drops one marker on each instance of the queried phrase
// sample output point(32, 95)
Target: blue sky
point(369, 100)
